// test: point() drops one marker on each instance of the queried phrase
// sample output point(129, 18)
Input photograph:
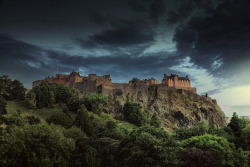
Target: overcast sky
point(208, 40)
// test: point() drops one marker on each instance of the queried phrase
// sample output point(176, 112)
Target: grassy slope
point(13, 107)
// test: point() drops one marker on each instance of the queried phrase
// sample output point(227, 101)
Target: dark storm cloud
point(15, 57)
point(157, 10)
point(221, 39)
point(1, 2)
point(137, 6)
point(189, 8)
point(118, 37)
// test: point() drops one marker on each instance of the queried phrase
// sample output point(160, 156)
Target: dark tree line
point(10, 90)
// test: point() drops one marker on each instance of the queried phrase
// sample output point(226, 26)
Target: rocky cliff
point(176, 108)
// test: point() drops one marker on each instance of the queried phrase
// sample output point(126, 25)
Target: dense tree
point(73, 104)
point(62, 93)
point(5, 87)
point(83, 121)
point(61, 119)
point(155, 121)
point(237, 124)
point(35, 145)
point(148, 146)
point(200, 128)
point(133, 113)
point(47, 94)
point(17, 90)
point(30, 100)
point(44, 95)
point(33, 120)
point(15, 120)
point(11, 90)
point(245, 138)
point(219, 145)
point(95, 103)
point(77, 158)
point(3, 104)
point(200, 158)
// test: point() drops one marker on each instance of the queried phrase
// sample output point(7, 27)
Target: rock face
point(176, 108)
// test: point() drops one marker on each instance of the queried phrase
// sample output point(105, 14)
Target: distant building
point(89, 84)
point(75, 77)
point(178, 82)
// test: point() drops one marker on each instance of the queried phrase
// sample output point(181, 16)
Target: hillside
point(176, 108)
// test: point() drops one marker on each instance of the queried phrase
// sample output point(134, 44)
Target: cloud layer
point(128, 38)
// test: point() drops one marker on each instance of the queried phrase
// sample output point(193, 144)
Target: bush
point(197, 158)
point(83, 120)
point(230, 156)
point(155, 121)
point(3, 104)
point(33, 120)
point(133, 113)
point(35, 145)
point(61, 119)
point(95, 103)
point(146, 147)
point(30, 100)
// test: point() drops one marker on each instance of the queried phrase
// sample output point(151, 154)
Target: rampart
point(99, 84)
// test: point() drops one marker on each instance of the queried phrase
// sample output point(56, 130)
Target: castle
point(93, 83)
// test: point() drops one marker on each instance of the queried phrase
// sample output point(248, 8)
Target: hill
point(176, 108)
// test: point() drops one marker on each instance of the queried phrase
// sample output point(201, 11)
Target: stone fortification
point(90, 83)
point(178, 82)
point(75, 79)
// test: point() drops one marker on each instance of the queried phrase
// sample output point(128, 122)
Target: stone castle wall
point(96, 84)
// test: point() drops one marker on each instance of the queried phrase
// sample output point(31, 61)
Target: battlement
point(92, 81)
point(75, 77)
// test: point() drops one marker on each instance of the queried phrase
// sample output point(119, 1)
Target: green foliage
point(14, 120)
point(219, 145)
point(198, 158)
point(2, 106)
point(155, 121)
point(73, 104)
point(47, 94)
point(62, 93)
point(33, 120)
point(133, 113)
point(135, 80)
point(245, 138)
point(35, 145)
point(17, 90)
point(95, 103)
point(44, 95)
point(61, 119)
point(198, 129)
point(11, 90)
point(111, 125)
point(237, 124)
point(81, 146)
point(148, 146)
point(83, 120)
point(30, 100)
point(105, 151)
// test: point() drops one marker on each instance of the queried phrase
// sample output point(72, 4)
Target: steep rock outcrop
point(176, 108)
